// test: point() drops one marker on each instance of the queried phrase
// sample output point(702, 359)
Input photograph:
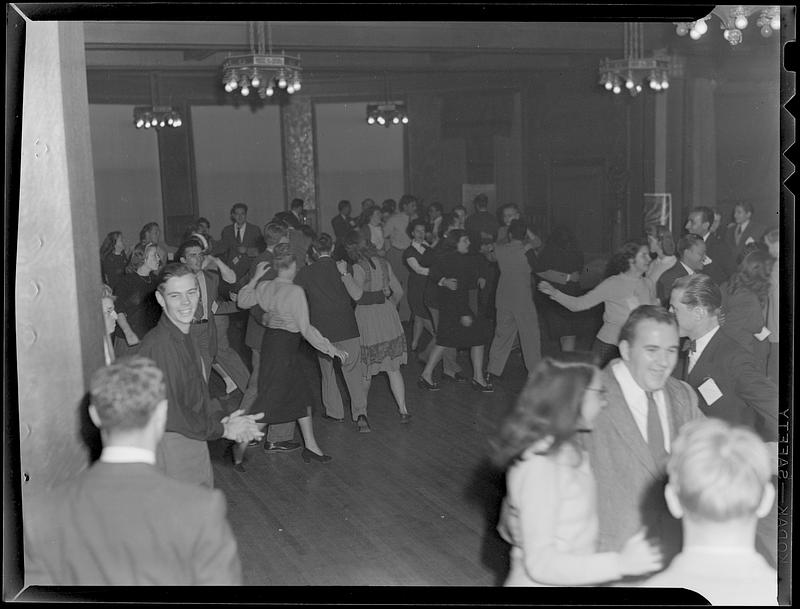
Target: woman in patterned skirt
point(383, 341)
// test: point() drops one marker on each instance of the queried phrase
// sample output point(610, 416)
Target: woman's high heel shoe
point(487, 388)
point(308, 456)
point(423, 384)
point(405, 417)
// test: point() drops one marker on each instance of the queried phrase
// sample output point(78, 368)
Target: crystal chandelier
point(387, 113)
point(261, 70)
point(156, 116)
point(635, 69)
point(734, 18)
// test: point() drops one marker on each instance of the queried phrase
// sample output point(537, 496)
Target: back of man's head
point(687, 242)
point(125, 394)
point(273, 233)
point(517, 230)
point(719, 472)
point(699, 290)
point(323, 244)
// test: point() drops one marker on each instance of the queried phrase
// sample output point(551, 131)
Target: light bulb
point(139, 123)
point(233, 84)
point(245, 91)
point(178, 122)
point(296, 85)
point(638, 88)
point(255, 81)
point(700, 26)
point(381, 120)
point(281, 83)
point(665, 84)
point(775, 23)
point(290, 89)
point(653, 85)
point(616, 89)
point(147, 125)
point(370, 120)
point(733, 36)
point(766, 31)
point(170, 121)
point(396, 120)
point(681, 29)
point(629, 84)
point(695, 35)
point(404, 120)
point(741, 22)
point(228, 87)
point(161, 124)
point(609, 85)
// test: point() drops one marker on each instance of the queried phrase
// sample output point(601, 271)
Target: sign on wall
point(470, 191)
point(658, 209)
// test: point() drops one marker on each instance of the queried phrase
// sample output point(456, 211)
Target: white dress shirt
point(127, 454)
point(699, 345)
point(636, 400)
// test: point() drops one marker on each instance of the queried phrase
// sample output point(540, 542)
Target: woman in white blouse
point(663, 246)
point(372, 229)
point(283, 391)
point(549, 515)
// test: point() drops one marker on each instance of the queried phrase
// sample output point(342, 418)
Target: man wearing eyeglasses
point(631, 439)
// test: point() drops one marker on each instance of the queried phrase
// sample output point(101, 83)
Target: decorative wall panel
point(299, 159)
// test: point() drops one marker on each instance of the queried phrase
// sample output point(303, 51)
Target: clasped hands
point(548, 289)
point(241, 427)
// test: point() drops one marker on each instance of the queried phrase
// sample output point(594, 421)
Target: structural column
point(299, 156)
point(59, 323)
point(702, 143)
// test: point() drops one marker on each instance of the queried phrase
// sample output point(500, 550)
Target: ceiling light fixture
point(733, 19)
point(263, 71)
point(635, 69)
point(387, 113)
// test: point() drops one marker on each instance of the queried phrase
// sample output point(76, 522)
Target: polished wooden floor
point(405, 505)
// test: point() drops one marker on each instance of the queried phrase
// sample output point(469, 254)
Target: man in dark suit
point(122, 522)
point(719, 263)
point(481, 226)
point(744, 231)
point(631, 438)
point(726, 378)
point(330, 296)
point(241, 236)
point(342, 223)
point(691, 250)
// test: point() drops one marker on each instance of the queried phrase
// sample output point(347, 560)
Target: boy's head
point(718, 473)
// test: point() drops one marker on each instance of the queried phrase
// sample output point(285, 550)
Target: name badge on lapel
point(710, 391)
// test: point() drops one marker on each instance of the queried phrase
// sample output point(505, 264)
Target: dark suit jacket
point(251, 239)
point(722, 264)
point(128, 524)
point(630, 486)
point(330, 307)
point(753, 231)
point(341, 227)
point(749, 398)
point(744, 317)
point(665, 281)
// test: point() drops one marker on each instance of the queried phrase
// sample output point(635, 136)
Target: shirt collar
point(703, 341)
point(689, 270)
point(127, 454)
point(626, 381)
point(744, 224)
point(706, 236)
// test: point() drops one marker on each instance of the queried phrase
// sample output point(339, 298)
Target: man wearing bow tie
point(725, 376)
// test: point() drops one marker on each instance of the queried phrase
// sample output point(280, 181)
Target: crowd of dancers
point(678, 386)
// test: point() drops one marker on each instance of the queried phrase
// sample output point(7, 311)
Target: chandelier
point(635, 69)
point(734, 18)
point(387, 113)
point(156, 116)
point(261, 70)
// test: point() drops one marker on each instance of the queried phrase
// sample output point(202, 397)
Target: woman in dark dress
point(418, 257)
point(455, 274)
point(283, 391)
point(137, 309)
point(113, 258)
point(560, 256)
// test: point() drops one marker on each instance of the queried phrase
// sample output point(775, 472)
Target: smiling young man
point(631, 439)
point(193, 417)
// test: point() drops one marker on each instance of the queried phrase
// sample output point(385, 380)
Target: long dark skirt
point(283, 391)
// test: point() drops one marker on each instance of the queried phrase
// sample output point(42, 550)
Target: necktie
point(238, 234)
point(738, 233)
point(198, 312)
point(655, 434)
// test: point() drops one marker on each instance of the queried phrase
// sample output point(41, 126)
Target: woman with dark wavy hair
point(383, 340)
point(137, 309)
point(113, 258)
point(744, 302)
point(662, 246)
point(624, 289)
point(549, 514)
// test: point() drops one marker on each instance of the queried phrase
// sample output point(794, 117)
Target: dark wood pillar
point(59, 323)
